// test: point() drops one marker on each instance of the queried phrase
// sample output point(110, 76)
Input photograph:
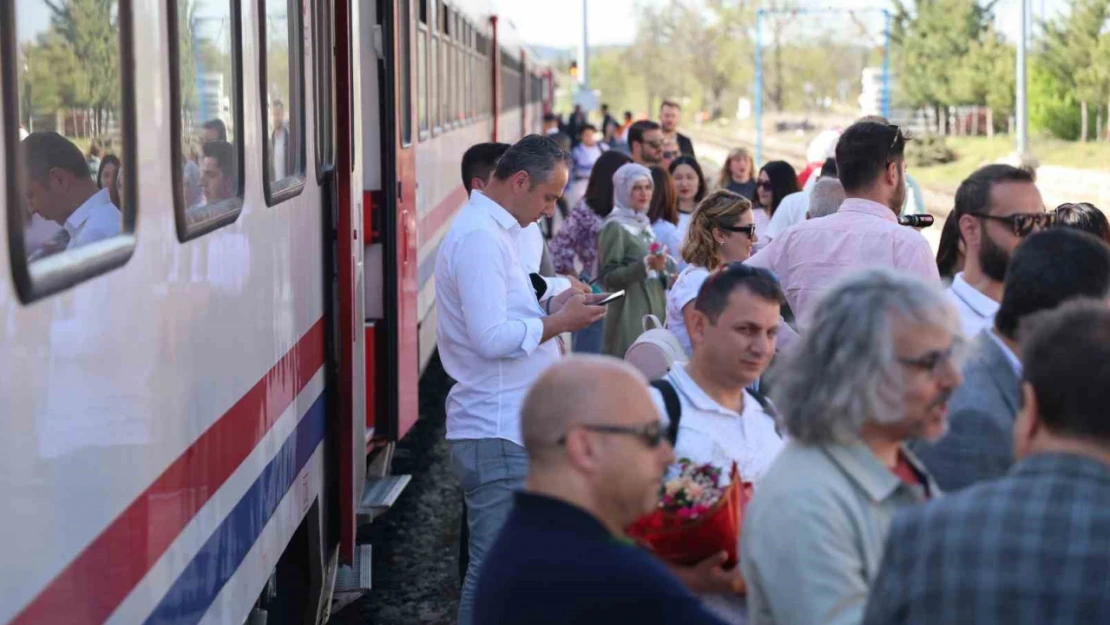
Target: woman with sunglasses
point(776, 180)
point(721, 231)
point(627, 262)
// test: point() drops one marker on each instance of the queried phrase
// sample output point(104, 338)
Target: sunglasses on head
point(1022, 224)
point(650, 434)
point(897, 135)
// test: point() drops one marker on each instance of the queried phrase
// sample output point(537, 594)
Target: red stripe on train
point(434, 219)
point(93, 585)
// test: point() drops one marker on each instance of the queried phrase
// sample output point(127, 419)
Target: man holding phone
point(495, 337)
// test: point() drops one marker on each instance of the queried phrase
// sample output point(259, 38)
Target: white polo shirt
point(490, 324)
point(94, 220)
point(976, 310)
point(710, 433)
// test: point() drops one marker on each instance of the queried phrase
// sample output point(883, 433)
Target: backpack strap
point(768, 407)
point(672, 404)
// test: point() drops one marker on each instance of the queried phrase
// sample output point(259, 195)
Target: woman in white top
point(722, 230)
point(663, 212)
point(690, 187)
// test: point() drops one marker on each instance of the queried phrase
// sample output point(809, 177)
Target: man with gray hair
point(495, 338)
point(874, 370)
point(826, 198)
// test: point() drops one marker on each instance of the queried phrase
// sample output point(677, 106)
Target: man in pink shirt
point(811, 256)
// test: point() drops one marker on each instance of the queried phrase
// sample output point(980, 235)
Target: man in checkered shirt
point(1033, 546)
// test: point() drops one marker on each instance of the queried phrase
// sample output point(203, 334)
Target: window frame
point(184, 231)
point(294, 106)
point(423, 78)
point(325, 163)
point(55, 274)
point(405, 67)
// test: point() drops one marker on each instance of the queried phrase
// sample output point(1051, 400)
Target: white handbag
point(656, 350)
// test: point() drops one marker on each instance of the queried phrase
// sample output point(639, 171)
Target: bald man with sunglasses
point(597, 453)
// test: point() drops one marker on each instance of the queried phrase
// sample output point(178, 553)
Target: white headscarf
point(624, 179)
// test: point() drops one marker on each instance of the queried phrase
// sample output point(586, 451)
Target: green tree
point(932, 37)
point(986, 77)
point(90, 28)
point(1070, 43)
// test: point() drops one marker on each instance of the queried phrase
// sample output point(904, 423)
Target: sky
point(613, 21)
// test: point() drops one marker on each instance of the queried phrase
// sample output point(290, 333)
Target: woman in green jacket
point(626, 261)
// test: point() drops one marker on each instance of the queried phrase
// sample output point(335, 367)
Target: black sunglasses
point(1021, 224)
point(766, 184)
point(651, 434)
point(748, 230)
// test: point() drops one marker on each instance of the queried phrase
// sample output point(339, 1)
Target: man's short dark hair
point(480, 160)
point(628, 114)
point(718, 288)
point(586, 127)
point(828, 168)
point(973, 197)
point(217, 125)
point(224, 154)
point(636, 131)
point(670, 103)
point(1049, 268)
point(43, 151)
point(1066, 359)
point(550, 117)
point(864, 151)
point(535, 154)
point(605, 107)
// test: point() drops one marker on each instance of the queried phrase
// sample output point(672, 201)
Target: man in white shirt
point(58, 188)
point(1049, 269)
point(997, 207)
point(494, 336)
point(734, 331)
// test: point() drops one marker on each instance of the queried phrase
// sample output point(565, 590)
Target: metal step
point(351, 582)
point(380, 495)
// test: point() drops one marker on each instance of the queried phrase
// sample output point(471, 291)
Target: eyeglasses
point(650, 434)
point(669, 154)
point(934, 360)
point(748, 230)
point(1021, 224)
point(655, 144)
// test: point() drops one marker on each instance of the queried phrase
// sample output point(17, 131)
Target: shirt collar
point(496, 211)
point(84, 211)
point(697, 397)
point(867, 207)
point(861, 465)
point(1011, 357)
point(1057, 463)
point(975, 299)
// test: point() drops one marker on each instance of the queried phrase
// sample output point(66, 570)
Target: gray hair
point(845, 372)
point(826, 198)
point(536, 155)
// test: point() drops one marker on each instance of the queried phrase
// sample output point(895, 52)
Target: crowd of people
point(923, 436)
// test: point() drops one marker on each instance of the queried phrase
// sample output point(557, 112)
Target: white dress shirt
point(792, 210)
point(39, 232)
point(529, 248)
point(94, 220)
point(710, 433)
point(976, 310)
point(490, 323)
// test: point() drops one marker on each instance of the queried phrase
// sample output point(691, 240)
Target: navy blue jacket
point(554, 563)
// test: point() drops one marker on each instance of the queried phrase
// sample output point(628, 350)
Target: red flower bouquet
point(697, 516)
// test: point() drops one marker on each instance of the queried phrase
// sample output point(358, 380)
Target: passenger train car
point(211, 343)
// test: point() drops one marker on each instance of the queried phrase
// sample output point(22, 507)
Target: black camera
point(916, 221)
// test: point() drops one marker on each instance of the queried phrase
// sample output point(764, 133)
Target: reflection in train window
point(209, 145)
point(68, 185)
point(422, 68)
point(404, 26)
point(325, 89)
point(283, 97)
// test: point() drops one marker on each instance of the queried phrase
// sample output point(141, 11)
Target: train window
point(70, 183)
point(403, 41)
point(207, 137)
point(325, 87)
point(422, 70)
point(283, 97)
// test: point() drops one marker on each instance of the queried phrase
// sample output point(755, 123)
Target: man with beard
point(809, 257)
point(996, 207)
point(874, 371)
point(1048, 269)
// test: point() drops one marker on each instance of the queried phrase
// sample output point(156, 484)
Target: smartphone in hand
point(612, 298)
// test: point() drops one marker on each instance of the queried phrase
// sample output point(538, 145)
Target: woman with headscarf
point(627, 261)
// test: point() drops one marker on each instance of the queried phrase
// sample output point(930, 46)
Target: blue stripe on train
point(201, 581)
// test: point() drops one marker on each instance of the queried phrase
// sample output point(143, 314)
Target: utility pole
point(1022, 130)
point(584, 62)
